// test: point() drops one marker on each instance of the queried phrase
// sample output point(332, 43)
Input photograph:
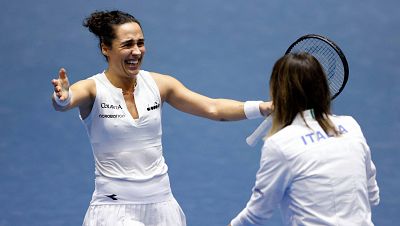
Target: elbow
point(373, 191)
point(375, 201)
point(214, 114)
point(374, 197)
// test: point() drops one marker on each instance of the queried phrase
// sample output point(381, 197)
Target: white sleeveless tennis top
point(128, 154)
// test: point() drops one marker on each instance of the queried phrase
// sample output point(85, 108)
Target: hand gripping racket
point(333, 61)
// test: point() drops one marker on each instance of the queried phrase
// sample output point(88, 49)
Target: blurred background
point(217, 48)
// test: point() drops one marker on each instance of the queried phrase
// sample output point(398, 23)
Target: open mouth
point(132, 63)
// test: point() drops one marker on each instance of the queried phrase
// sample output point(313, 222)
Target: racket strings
point(328, 58)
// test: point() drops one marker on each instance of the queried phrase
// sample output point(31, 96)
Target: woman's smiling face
point(126, 53)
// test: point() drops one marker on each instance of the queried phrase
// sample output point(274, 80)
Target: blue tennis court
point(217, 48)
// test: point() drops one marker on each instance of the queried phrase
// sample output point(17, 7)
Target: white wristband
point(63, 103)
point(252, 109)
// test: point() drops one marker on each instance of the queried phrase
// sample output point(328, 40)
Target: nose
point(136, 50)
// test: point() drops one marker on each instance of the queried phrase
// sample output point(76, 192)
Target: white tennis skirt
point(167, 213)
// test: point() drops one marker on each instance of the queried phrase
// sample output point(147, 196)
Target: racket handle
point(259, 132)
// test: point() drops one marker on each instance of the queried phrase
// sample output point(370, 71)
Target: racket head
point(329, 55)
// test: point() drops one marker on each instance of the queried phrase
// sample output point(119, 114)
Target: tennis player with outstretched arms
point(121, 110)
point(315, 167)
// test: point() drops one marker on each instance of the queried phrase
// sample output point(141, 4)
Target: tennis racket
point(333, 61)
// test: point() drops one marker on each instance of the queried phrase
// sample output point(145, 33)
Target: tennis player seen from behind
point(316, 166)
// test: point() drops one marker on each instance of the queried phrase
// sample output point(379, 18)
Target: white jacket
point(315, 179)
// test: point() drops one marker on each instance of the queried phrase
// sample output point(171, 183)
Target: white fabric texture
point(132, 186)
point(124, 147)
point(116, 191)
point(315, 179)
point(166, 213)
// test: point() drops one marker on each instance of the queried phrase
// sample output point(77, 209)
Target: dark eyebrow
point(131, 41)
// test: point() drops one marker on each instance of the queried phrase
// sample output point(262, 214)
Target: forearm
point(232, 110)
point(226, 110)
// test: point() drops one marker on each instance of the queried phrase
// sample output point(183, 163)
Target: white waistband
point(116, 191)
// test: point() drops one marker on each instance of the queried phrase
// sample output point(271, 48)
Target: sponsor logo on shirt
point(153, 107)
point(111, 106)
point(113, 196)
point(111, 116)
point(318, 136)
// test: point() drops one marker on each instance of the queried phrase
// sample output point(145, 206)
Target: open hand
point(61, 85)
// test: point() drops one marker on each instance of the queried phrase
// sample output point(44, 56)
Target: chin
point(132, 73)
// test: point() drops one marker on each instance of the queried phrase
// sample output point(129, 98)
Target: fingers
point(62, 74)
point(266, 108)
point(57, 88)
point(54, 82)
point(62, 77)
point(57, 85)
point(61, 84)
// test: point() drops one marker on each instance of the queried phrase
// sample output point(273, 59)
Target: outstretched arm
point(65, 97)
point(177, 95)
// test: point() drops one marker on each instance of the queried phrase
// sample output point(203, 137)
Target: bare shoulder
point(166, 84)
point(162, 78)
point(84, 91)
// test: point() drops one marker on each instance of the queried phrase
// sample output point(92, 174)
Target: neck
point(127, 84)
point(130, 89)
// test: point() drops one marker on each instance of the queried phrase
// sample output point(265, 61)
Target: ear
point(104, 49)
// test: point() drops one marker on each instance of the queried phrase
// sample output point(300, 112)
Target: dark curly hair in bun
point(101, 23)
